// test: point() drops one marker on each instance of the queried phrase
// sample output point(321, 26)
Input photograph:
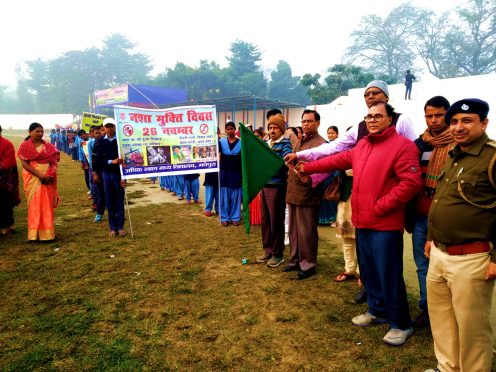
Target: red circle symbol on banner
point(204, 129)
point(127, 130)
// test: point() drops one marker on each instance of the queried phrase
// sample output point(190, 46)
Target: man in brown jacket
point(303, 203)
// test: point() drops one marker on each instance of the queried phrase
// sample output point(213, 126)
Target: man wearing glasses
point(386, 176)
point(376, 91)
point(303, 203)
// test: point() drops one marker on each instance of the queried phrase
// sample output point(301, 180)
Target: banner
point(112, 95)
point(88, 119)
point(168, 142)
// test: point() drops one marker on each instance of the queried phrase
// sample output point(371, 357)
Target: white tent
point(349, 110)
point(49, 121)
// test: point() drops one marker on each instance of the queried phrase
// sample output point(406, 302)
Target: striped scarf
point(441, 144)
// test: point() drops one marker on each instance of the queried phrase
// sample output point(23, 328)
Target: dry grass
point(176, 298)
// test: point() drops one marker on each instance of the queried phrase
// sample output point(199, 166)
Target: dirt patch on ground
point(142, 192)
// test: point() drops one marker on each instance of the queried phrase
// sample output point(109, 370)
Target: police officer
point(462, 229)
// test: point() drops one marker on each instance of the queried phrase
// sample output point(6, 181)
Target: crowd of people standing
point(439, 186)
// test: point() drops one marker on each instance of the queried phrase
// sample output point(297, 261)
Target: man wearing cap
point(386, 176)
point(462, 229)
point(109, 161)
point(376, 91)
point(273, 197)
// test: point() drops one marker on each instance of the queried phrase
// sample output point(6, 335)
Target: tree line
point(458, 42)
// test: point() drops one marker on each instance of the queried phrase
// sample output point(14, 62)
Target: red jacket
point(386, 175)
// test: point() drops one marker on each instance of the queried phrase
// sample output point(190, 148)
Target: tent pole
point(153, 103)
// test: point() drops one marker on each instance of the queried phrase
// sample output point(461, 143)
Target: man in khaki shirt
point(462, 229)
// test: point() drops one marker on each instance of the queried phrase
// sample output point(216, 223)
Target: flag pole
point(129, 213)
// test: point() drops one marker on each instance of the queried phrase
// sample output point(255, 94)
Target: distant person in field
point(230, 177)
point(99, 196)
point(39, 162)
point(53, 137)
point(82, 140)
point(409, 78)
point(192, 188)
point(9, 185)
point(328, 209)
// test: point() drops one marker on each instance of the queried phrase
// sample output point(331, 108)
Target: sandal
point(237, 223)
point(112, 234)
point(225, 224)
point(344, 276)
point(122, 232)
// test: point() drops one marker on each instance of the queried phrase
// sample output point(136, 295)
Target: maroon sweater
point(386, 175)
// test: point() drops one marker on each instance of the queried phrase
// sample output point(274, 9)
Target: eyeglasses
point(375, 117)
point(373, 93)
point(308, 121)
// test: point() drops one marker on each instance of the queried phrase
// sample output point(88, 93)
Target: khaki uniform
point(458, 296)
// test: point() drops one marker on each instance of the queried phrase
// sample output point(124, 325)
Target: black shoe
point(422, 320)
point(360, 297)
point(288, 269)
point(305, 274)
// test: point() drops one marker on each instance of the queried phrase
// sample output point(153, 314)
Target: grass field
point(176, 297)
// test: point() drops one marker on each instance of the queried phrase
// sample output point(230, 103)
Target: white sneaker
point(367, 319)
point(397, 337)
point(286, 239)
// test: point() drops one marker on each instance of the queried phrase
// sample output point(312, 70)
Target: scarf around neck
point(441, 144)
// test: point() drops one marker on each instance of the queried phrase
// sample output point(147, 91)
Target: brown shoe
point(264, 258)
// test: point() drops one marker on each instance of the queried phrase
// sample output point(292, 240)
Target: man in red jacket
point(386, 176)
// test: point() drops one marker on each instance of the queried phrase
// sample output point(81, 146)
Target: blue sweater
point(281, 148)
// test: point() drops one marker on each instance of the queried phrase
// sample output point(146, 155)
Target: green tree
point(467, 49)
point(121, 64)
point(204, 82)
point(6, 101)
point(63, 84)
point(284, 86)
point(339, 80)
point(244, 75)
point(386, 45)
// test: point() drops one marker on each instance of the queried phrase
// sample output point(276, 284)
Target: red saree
point(42, 199)
point(9, 185)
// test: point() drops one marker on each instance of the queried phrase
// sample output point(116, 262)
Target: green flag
point(259, 163)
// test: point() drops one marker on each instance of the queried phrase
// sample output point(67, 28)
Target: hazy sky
point(310, 35)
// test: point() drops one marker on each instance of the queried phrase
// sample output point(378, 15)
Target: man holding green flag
point(259, 163)
point(273, 197)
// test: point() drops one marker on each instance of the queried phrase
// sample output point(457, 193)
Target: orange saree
point(42, 198)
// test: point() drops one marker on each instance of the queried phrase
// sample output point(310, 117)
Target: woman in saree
point(9, 185)
point(39, 162)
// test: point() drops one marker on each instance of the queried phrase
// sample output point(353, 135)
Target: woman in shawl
point(39, 161)
point(9, 185)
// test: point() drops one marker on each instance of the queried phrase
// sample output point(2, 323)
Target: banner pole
point(129, 213)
